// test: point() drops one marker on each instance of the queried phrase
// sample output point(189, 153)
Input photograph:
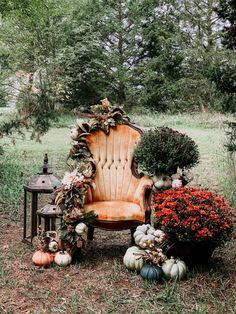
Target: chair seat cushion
point(116, 211)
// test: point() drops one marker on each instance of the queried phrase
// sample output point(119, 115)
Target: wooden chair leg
point(148, 218)
point(90, 233)
point(132, 230)
point(76, 256)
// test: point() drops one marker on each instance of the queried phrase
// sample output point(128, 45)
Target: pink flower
point(72, 178)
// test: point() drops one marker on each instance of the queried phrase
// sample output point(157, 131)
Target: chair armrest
point(142, 193)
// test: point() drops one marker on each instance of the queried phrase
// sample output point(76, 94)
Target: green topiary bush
point(163, 150)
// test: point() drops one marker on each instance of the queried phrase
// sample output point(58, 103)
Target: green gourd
point(151, 273)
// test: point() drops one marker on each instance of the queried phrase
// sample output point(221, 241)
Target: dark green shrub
point(163, 150)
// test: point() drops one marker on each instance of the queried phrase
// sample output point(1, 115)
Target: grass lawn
point(100, 283)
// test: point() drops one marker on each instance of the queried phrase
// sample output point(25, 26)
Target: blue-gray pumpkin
point(151, 273)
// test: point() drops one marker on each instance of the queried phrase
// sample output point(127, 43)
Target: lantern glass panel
point(49, 223)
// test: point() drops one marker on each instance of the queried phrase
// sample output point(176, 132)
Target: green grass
point(193, 120)
point(65, 120)
point(24, 158)
point(227, 165)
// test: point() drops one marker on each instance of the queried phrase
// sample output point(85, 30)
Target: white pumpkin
point(151, 230)
point(177, 183)
point(144, 227)
point(159, 184)
point(138, 234)
point(174, 268)
point(141, 231)
point(81, 228)
point(133, 259)
point(53, 246)
point(62, 258)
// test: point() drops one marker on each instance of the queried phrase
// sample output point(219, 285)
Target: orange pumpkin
point(41, 258)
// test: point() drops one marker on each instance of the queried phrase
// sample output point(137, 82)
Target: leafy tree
point(227, 11)
point(221, 69)
point(83, 60)
point(31, 37)
point(162, 45)
point(103, 51)
point(200, 22)
point(120, 49)
point(158, 54)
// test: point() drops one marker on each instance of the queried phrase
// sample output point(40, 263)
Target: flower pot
point(192, 253)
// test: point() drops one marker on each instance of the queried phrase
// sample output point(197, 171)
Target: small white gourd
point(53, 246)
point(62, 258)
point(177, 183)
point(159, 236)
point(81, 228)
point(159, 184)
point(147, 241)
point(174, 268)
point(133, 258)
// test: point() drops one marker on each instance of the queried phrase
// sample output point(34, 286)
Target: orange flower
point(193, 214)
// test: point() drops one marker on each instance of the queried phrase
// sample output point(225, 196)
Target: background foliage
point(163, 55)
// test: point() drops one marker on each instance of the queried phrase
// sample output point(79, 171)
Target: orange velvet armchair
point(120, 199)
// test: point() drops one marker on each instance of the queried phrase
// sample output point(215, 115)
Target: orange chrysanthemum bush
point(194, 215)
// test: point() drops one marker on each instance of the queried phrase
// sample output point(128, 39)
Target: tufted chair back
point(113, 155)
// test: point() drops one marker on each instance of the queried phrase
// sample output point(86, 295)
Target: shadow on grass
point(98, 254)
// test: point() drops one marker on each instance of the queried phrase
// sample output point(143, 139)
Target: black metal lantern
point(49, 216)
point(35, 191)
